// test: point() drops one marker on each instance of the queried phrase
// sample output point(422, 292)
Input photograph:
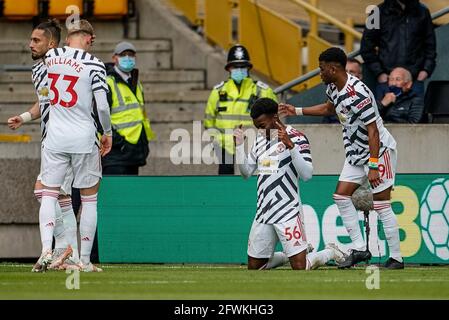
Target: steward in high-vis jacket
point(130, 124)
point(229, 105)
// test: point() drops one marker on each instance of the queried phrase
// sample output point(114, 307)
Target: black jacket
point(406, 38)
point(122, 152)
point(408, 108)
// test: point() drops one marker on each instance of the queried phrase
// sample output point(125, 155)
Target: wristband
point(373, 165)
point(109, 133)
point(26, 117)
point(298, 111)
point(375, 160)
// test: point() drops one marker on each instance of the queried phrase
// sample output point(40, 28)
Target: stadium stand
point(101, 9)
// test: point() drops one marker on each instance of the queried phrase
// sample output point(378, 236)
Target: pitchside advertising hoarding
point(207, 219)
point(420, 203)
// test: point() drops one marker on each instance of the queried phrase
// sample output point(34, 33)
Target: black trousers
point(226, 165)
point(121, 170)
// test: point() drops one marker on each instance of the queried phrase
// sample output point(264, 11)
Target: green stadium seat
point(57, 8)
point(23, 9)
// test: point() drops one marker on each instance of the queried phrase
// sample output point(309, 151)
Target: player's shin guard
point(47, 217)
point(391, 228)
point(88, 225)
point(70, 225)
point(350, 219)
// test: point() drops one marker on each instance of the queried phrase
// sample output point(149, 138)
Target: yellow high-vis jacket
point(227, 108)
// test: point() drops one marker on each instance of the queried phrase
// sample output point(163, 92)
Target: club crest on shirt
point(280, 148)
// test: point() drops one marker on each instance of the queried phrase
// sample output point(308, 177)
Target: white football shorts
point(66, 187)
point(359, 174)
point(86, 168)
point(264, 237)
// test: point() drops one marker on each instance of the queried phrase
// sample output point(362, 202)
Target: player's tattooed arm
point(374, 146)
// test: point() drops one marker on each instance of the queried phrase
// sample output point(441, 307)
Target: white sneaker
point(90, 268)
point(43, 262)
point(59, 260)
point(339, 256)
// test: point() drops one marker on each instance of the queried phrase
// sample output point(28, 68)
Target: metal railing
point(289, 85)
point(263, 31)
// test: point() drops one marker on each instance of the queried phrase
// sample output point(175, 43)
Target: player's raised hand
point(283, 135)
point(239, 137)
point(15, 122)
point(106, 145)
point(286, 109)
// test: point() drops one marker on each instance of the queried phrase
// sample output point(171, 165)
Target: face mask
point(239, 74)
point(126, 63)
point(396, 90)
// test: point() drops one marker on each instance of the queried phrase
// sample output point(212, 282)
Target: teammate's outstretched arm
point(325, 109)
point(32, 114)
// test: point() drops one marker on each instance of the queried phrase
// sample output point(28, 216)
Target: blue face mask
point(396, 90)
point(239, 74)
point(126, 63)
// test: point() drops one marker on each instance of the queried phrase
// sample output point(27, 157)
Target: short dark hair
point(334, 54)
point(354, 60)
point(264, 106)
point(52, 29)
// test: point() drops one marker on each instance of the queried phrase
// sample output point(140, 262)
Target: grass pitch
point(203, 282)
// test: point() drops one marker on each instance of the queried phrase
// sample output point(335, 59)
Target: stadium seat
point(23, 9)
point(110, 9)
point(436, 102)
point(57, 8)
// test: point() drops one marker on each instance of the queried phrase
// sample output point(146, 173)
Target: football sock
point(59, 232)
point(88, 225)
point(350, 219)
point(391, 229)
point(70, 225)
point(47, 217)
point(317, 259)
point(38, 195)
point(278, 259)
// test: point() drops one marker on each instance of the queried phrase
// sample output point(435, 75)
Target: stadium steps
point(152, 53)
point(152, 81)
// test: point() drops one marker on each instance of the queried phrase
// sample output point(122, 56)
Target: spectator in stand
point(401, 104)
point(405, 38)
